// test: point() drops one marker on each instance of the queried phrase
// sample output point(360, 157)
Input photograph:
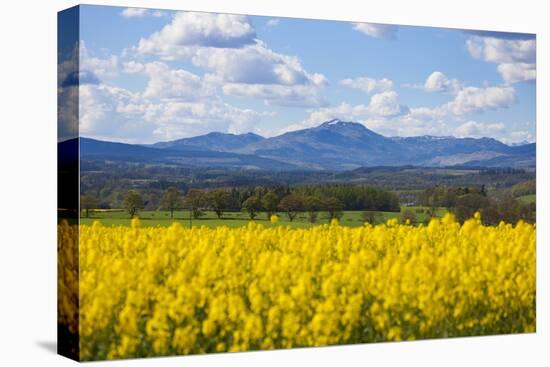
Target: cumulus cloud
point(439, 82)
point(495, 130)
point(101, 67)
point(379, 112)
point(282, 95)
point(384, 31)
point(175, 103)
point(421, 115)
point(409, 124)
point(166, 83)
point(70, 77)
point(258, 72)
point(386, 115)
point(273, 22)
point(521, 136)
point(97, 107)
point(118, 114)
point(367, 84)
point(141, 13)
point(225, 45)
point(67, 113)
point(175, 119)
point(517, 72)
point(515, 58)
point(474, 99)
point(133, 67)
point(502, 50)
point(386, 104)
point(255, 64)
point(188, 30)
point(474, 129)
point(343, 111)
point(133, 12)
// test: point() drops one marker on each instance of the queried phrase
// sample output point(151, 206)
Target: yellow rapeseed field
point(175, 290)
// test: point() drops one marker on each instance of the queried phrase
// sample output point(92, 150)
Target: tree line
point(332, 199)
point(465, 201)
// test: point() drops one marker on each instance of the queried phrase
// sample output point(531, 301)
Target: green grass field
point(236, 219)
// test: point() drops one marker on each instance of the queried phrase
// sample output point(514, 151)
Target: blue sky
point(162, 75)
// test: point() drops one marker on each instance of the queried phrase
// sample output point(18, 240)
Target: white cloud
point(499, 50)
point(474, 129)
point(67, 112)
point(495, 130)
point(438, 82)
point(166, 83)
point(113, 113)
point(521, 136)
point(515, 58)
point(175, 103)
point(401, 125)
point(517, 72)
point(258, 72)
point(69, 66)
point(282, 95)
point(405, 127)
point(426, 113)
point(102, 67)
point(239, 64)
point(132, 67)
point(385, 31)
point(474, 99)
point(133, 12)
point(273, 22)
point(385, 115)
point(97, 107)
point(367, 84)
point(141, 13)
point(189, 30)
point(255, 64)
point(343, 111)
point(177, 119)
point(386, 104)
point(380, 111)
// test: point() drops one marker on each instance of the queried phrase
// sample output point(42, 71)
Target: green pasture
point(236, 219)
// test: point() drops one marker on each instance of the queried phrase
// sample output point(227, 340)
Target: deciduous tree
point(252, 206)
point(270, 201)
point(195, 200)
point(133, 203)
point(291, 205)
point(171, 200)
point(334, 207)
point(218, 200)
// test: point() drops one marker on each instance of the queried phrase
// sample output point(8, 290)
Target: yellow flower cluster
point(175, 290)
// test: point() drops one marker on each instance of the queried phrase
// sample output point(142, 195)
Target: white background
point(28, 182)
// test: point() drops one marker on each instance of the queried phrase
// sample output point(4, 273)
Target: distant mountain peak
point(214, 141)
point(332, 122)
point(338, 122)
point(218, 133)
point(253, 135)
point(519, 143)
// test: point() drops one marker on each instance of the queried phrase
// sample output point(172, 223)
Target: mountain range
point(333, 145)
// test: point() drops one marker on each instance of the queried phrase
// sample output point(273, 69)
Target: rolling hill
point(97, 150)
point(212, 141)
point(333, 145)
